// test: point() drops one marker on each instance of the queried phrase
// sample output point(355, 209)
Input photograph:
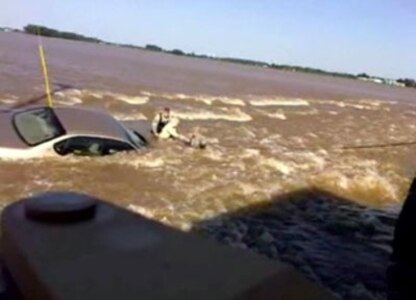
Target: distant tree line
point(156, 48)
point(363, 75)
point(312, 71)
point(45, 31)
point(160, 49)
point(408, 82)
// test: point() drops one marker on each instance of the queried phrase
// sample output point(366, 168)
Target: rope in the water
point(348, 147)
point(387, 145)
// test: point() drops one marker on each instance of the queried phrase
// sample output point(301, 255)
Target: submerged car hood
point(8, 135)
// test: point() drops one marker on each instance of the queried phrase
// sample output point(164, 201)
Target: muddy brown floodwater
point(287, 173)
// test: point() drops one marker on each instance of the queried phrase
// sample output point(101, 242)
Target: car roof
point(75, 120)
point(89, 122)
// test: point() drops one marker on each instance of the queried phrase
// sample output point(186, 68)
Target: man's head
point(166, 112)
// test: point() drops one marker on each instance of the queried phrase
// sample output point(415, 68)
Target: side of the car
point(77, 144)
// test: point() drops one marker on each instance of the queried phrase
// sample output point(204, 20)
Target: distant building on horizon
point(380, 80)
point(8, 29)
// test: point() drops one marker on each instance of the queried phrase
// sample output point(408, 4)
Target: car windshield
point(135, 139)
point(38, 125)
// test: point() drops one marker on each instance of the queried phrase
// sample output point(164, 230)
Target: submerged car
point(44, 131)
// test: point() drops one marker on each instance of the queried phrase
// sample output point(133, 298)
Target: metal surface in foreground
point(115, 254)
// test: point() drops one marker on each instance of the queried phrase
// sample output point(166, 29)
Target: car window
point(112, 146)
point(37, 126)
point(90, 146)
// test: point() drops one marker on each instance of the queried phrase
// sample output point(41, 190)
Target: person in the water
point(196, 140)
point(164, 126)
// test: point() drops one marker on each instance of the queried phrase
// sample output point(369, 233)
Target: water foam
point(73, 101)
point(278, 165)
point(363, 104)
point(69, 93)
point(370, 186)
point(8, 101)
point(279, 102)
point(274, 115)
point(214, 154)
point(361, 180)
point(141, 210)
point(310, 112)
point(133, 100)
point(75, 96)
point(249, 153)
point(97, 95)
point(143, 161)
point(222, 99)
point(309, 160)
point(226, 114)
point(69, 97)
point(206, 99)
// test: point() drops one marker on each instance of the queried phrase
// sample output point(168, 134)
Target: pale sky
point(373, 36)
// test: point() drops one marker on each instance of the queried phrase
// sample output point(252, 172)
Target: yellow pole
point(45, 73)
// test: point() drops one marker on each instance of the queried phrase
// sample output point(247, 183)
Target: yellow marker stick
point(45, 74)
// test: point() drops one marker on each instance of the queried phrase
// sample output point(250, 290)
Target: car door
point(90, 146)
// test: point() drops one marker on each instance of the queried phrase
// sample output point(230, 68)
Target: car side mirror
point(60, 148)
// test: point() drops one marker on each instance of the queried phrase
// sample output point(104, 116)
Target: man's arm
point(155, 122)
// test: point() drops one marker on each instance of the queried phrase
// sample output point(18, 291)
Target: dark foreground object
point(70, 246)
point(337, 244)
point(402, 272)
